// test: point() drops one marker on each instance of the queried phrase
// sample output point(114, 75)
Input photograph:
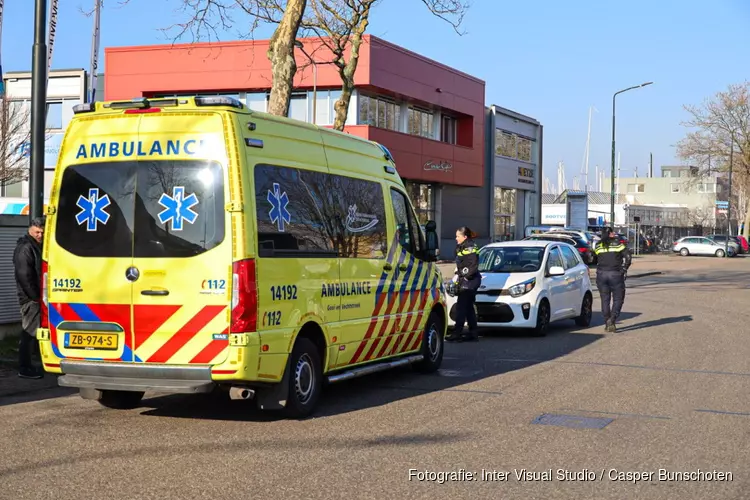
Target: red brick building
point(431, 117)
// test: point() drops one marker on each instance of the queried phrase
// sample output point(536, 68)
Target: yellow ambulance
point(194, 245)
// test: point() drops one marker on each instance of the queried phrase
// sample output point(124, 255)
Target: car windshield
point(515, 259)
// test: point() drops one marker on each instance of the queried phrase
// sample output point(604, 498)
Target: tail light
point(244, 297)
point(44, 305)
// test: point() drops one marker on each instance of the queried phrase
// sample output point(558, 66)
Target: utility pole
point(650, 164)
point(38, 110)
point(729, 198)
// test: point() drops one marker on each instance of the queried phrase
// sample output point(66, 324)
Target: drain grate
point(572, 421)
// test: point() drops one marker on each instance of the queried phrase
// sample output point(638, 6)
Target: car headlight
point(522, 288)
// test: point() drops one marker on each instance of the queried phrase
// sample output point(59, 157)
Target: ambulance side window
point(294, 213)
point(361, 216)
point(407, 229)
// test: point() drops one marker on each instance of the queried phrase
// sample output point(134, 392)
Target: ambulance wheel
point(121, 400)
point(432, 344)
point(305, 380)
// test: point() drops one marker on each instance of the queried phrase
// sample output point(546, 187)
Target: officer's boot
point(609, 325)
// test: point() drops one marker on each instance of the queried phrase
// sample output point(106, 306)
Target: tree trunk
point(746, 230)
point(348, 70)
point(281, 54)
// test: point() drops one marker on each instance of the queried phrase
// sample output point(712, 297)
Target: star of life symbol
point(178, 208)
point(279, 201)
point(92, 209)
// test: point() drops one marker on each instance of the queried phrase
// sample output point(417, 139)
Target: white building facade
point(66, 88)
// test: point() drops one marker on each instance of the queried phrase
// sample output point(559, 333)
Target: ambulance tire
point(121, 400)
point(305, 380)
point(433, 344)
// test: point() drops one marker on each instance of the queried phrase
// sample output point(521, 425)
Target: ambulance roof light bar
point(218, 100)
point(144, 103)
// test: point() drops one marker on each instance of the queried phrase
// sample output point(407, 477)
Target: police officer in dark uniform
point(467, 281)
point(613, 262)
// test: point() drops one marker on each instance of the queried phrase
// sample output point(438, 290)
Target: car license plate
point(91, 341)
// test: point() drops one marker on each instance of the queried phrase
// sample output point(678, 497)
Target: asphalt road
point(672, 387)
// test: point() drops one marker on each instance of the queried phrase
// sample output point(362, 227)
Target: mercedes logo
point(132, 273)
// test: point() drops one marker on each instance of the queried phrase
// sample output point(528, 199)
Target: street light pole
point(612, 176)
point(729, 198)
point(301, 47)
point(38, 109)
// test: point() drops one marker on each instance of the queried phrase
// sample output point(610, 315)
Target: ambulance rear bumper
point(107, 376)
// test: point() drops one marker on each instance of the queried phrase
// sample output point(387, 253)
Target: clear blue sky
point(547, 59)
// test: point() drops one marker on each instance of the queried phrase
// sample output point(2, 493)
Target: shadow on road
point(243, 444)
point(655, 322)
point(36, 394)
point(463, 364)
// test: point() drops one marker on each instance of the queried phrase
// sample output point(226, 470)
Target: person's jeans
point(465, 312)
point(25, 350)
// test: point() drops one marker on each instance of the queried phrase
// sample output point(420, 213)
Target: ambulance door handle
point(403, 267)
point(161, 293)
point(387, 267)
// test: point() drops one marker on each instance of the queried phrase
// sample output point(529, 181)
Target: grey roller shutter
point(9, 309)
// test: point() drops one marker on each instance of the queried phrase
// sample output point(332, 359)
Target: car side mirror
point(431, 241)
point(556, 271)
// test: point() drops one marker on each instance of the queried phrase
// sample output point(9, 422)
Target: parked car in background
point(529, 284)
point(721, 239)
point(699, 245)
point(744, 244)
point(581, 245)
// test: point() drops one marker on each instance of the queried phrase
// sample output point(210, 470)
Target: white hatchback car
point(529, 284)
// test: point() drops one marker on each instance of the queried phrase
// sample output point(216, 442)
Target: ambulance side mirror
point(431, 241)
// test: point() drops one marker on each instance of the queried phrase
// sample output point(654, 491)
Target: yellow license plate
point(102, 341)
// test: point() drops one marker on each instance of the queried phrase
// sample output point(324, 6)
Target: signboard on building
point(438, 165)
point(555, 214)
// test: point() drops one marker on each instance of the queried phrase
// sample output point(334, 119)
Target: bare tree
point(339, 24)
point(207, 18)
point(15, 140)
point(721, 130)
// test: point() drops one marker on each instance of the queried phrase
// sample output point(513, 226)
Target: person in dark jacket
point(467, 280)
point(27, 261)
point(613, 262)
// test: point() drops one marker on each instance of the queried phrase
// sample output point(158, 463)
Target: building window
point(675, 188)
point(505, 144)
point(422, 197)
point(706, 188)
point(257, 101)
point(504, 213)
point(298, 107)
point(636, 188)
point(448, 129)
point(54, 116)
point(379, 112)
point(524, 149)
point(420, 122)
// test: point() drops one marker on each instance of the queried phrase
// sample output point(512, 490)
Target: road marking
point(720, 412)
point(572, 421)
point(638, 415)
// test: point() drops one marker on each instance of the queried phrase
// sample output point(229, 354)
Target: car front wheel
point(542, 319)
